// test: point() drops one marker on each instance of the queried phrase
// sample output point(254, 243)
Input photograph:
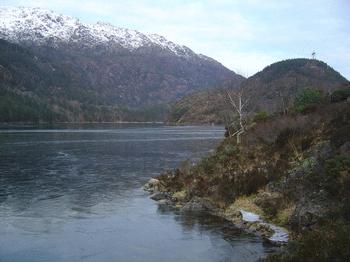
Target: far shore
point(118, 122)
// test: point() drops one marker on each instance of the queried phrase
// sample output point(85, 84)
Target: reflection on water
point(73, 194)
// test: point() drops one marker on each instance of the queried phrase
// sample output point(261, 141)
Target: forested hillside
point(271, 90)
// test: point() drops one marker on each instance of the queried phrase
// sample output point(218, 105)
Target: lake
point(73, 193)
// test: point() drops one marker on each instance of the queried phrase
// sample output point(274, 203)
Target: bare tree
point(239, 105)
point(285, 101)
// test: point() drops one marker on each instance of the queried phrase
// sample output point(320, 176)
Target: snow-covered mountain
point(84, 72)
point(39, 26)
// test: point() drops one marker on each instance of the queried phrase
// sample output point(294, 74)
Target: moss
point(180, 195)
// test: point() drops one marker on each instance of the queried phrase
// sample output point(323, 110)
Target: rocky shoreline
point(243, 219)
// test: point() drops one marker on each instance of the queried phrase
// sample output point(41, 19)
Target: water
point(73, 194)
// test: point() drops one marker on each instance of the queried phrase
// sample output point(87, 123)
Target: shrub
point(329, 242)
point(338, 164)
point(307, 99)
point(338, 175)
point(230, 150)
point(340, 95)
point(206, 165)
point(260, 116)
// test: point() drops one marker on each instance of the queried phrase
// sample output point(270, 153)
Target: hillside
point(32, 90)
point(292, 169)
point(270, 90)
point(99, 67)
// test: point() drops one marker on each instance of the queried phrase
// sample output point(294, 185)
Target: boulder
point(307, 214)
point(158, 196)
point(197, 204)
point(233, 214)
point(166, 202)
point(152, 185)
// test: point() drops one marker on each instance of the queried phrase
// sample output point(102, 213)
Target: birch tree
point(284, 101)
point(239, 105)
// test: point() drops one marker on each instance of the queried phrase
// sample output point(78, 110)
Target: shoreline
point(243, 219)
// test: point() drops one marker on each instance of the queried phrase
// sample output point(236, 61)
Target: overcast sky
point(244, 35)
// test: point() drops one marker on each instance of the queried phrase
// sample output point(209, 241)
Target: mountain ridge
point(111, 68)
point(40, 26)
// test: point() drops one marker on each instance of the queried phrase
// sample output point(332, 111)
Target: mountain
point(270, 90)
point(284, 79)
point(99, 66)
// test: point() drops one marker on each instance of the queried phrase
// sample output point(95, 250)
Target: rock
point(152, 185)
point(193, 206)
point(163, 202)
point(153, 181)
point(198, 205)
point(166, 202)
point(260, 228)
point(345, 148)
point(264, 230)
point(158, 196)
point(307, 214)
point(233, 214)
point(178, 206)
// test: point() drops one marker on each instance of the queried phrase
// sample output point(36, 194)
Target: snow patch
point(250, 217)
point(280, 234)
point(19, 24)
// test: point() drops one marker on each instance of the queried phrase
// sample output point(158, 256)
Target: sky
point(243, 35)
